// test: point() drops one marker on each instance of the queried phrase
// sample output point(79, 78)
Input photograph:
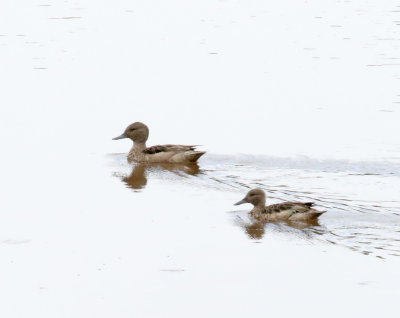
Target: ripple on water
point(361, 197)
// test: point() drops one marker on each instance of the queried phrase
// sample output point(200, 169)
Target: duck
point(285, 211)
point(139, 133)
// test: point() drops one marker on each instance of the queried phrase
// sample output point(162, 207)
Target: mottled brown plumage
point(166, 148)
point(289, 211)
point(139, 133)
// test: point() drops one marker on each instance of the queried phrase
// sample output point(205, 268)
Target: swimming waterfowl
point(286, 211)
point(139, 133)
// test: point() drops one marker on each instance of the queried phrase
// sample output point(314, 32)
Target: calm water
point(298, 98)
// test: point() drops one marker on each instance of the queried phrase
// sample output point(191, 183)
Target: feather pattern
point(298, 207)
point(139, 133)
point(166, 148)
point(288, 211)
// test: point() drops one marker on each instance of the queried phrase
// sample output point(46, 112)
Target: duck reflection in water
point(256, 230)
point(137, 179)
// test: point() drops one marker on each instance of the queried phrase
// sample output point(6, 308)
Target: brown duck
point(139, 133)
point(286, 211)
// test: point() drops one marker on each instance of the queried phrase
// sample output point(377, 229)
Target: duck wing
point(169, 148)
point(296, 207)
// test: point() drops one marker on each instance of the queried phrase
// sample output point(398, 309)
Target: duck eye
point(132, 129)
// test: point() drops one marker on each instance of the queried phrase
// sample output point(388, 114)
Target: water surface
point(300, 99)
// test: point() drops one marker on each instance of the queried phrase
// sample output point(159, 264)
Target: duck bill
point(241, 202)
point(120, 137)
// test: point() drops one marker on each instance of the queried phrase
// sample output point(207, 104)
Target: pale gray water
point(298, 98)
point(362, 215)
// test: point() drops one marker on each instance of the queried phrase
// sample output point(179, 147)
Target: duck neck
point(136, 151)
point(138, 147)
point(259, 208)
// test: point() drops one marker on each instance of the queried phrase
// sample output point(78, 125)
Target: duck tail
point(316, 214)
point(193, 156)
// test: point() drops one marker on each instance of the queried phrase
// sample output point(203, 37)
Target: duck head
point(137, 132)
point(255, 196)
